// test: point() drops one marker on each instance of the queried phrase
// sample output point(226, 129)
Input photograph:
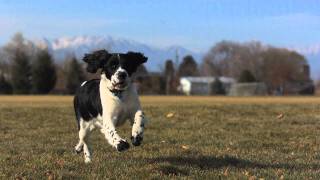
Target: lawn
point(186, 138)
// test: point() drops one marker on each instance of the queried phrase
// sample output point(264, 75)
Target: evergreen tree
point(43, 73)
point(5, 86)
point(169, 73)
point(20, 64)
point(246, 77)
point(21, 73)
point(75, 76)
point(188, 67)
point(217, 87)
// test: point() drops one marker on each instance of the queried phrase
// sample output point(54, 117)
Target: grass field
point(205, 138)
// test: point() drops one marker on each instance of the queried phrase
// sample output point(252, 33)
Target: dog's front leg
point(112, 136)
point(138, 128)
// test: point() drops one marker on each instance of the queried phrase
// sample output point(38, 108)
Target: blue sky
point(195, 24)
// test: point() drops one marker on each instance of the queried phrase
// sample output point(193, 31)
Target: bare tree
point(274, 66)
point(229, 58)
point(281, 66)
point(4, 63)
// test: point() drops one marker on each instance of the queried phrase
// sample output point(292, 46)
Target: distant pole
point(177, 59)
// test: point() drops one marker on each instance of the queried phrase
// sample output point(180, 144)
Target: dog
point(108, 102)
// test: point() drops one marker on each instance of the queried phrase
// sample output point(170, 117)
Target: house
point(248, 89)
point(202, 85)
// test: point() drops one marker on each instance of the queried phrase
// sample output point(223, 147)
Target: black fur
point(132, 60)
point(136, 141)
point(87, 103)
point(123, 145)
point(110, 62)
point(96, 60)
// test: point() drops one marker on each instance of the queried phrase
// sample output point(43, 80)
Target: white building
point(202, 85)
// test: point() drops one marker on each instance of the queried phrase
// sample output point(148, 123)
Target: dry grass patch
point(204, 138)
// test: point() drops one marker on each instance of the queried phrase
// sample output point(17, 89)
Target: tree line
point(278, 68)
point(28, 69)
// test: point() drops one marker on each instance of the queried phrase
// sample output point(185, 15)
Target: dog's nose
point(122, 75)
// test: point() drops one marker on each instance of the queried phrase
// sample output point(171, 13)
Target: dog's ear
point(135, 59)
point(96, 60)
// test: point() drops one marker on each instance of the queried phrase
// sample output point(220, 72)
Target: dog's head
point(117, 67)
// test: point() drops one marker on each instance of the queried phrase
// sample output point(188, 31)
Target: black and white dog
point(108, 102)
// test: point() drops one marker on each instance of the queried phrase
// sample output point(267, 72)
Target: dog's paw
point(123, 145)
point(136, 141)
point(87, 160)
point(78, 149)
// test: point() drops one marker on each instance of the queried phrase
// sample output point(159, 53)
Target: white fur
point(84, 82)
point(115, 112)
point(138, 124)
point(115, 79)
point(84, 132)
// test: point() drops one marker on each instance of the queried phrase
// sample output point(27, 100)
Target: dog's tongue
point(118, 84)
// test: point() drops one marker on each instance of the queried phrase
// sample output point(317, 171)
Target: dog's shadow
point(212, 162)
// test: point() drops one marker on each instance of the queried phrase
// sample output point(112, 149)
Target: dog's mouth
point(120, 85)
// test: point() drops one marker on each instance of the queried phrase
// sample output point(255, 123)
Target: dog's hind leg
point(79, 147)
point(83, 145)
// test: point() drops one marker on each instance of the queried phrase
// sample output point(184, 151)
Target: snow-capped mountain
point(80, 45)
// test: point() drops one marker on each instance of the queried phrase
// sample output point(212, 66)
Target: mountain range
point(79, 45)
point(62, 47)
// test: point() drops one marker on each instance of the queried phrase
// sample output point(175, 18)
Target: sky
point(194, 24)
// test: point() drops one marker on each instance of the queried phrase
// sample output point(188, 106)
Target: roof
point(207, 79)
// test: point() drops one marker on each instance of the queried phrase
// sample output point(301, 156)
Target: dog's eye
point(114, 66)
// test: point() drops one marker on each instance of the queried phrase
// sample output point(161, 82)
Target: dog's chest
point(121, 113)
point(118, 109)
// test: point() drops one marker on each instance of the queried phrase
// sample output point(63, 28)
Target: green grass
point(207, 138)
